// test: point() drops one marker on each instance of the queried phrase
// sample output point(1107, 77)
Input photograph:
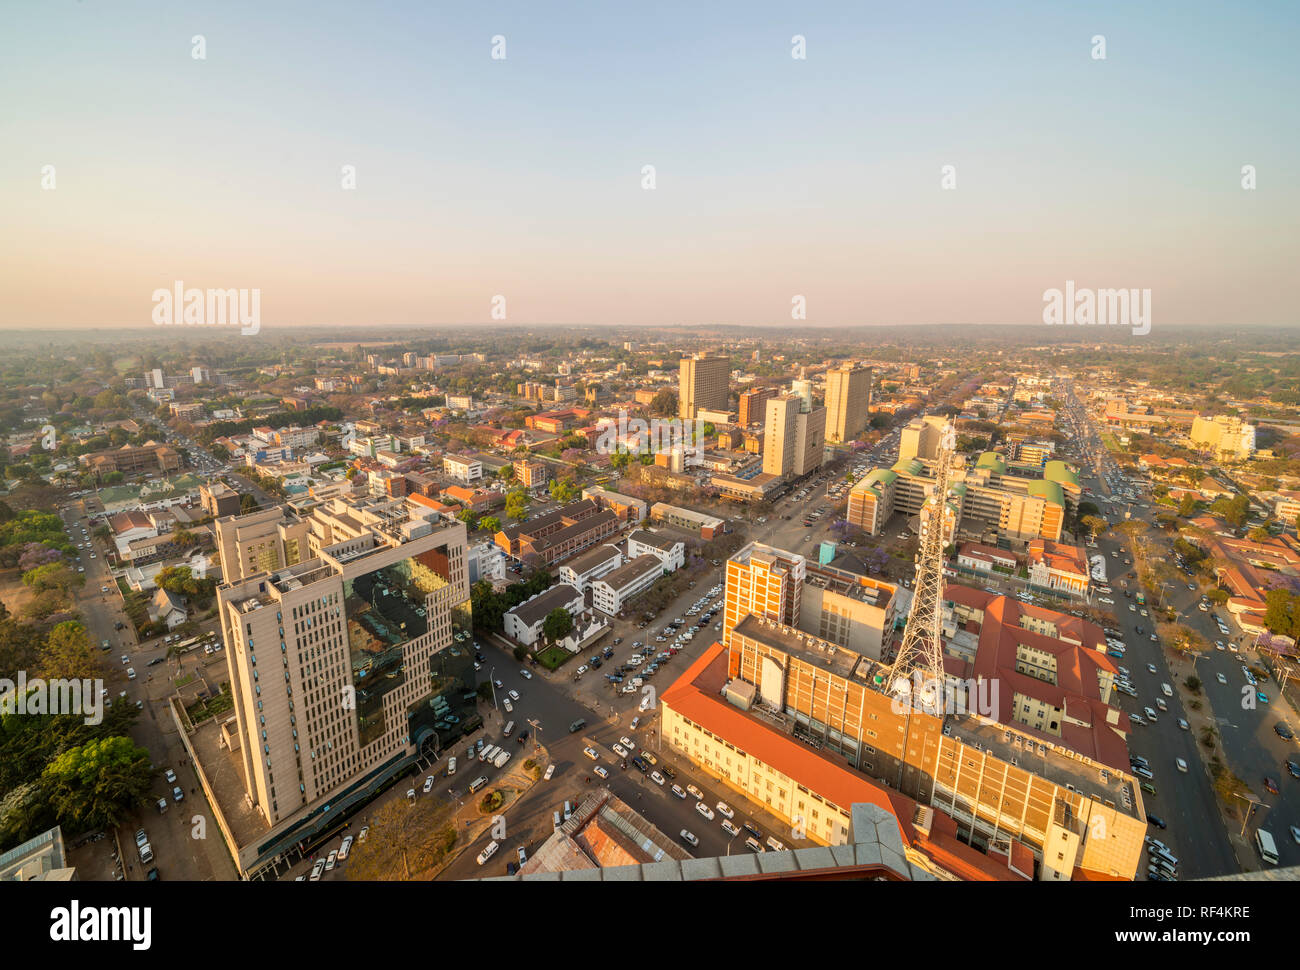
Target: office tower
point(779, 435)
point(848, 398)
point(260, 542)
point(344, 667)
point(703, 384)
point(810, 441)
point(920, 438)
point(753, 405)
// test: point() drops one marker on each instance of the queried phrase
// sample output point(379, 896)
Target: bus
point(1267, 847)
point(187, 645)
point(1141, 599)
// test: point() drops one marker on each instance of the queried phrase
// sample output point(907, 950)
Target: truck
point(1267, 847)
point(502, 757)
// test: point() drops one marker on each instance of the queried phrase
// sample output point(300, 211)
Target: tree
point(1283, 614)
point(468, 517)
point(68, 653)
point(517, 504)
point(1094, 524)
point(557, 625)
point(1259, 534)
point(563, 490)
point(664, 404)
point(247, 503)
point(98, 784)
point(1188, 506)
point(490, 523)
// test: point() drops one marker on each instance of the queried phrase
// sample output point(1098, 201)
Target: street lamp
point(492, 679)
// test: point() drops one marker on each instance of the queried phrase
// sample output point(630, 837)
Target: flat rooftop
point(840, 661)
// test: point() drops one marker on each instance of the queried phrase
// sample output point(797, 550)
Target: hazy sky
point(522, 177)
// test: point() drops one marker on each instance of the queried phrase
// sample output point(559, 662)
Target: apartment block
point(531, 474)
point(583, 570)
point(920, 438)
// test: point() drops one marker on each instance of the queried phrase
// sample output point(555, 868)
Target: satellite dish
point(902, 686)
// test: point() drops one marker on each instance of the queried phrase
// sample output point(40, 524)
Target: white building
point(464, 470)
point(669, 551)
point(486, 561)
point(583, 570)
point(524, 622)
point(611, 592)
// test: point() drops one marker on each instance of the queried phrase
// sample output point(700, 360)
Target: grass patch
point(553, 657)
point(491, 802)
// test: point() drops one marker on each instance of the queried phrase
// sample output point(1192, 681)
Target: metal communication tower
point(916, 677)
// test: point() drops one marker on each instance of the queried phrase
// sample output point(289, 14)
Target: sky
point(517, 183)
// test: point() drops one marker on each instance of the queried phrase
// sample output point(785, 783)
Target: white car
point(704, 810)
point(428, 784)
point(695, 792)
point(1106, 600)
point(679, 791)
point(317, 869)
point(619, 750)
point(657, 778)
point(514, 695)
point(1218, 645)
point(725, 810)
point(1181, 764)
point(590, 753)
point(345, 848)
point(729, 828)
point(689, 838)
point(130, 673)
point(1220, 678)
point(333, 858)
point(525, 673)
point(508, 706)
point(550, 770)
point(627, 743)
point(601, 770)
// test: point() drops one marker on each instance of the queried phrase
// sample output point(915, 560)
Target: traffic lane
point(1185, 801)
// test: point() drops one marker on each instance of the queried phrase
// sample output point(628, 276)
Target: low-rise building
point(583, 570)
point(670, 552)
point(611, 592)
point(524, 622)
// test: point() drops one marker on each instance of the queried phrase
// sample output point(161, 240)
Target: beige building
point(848, 398)
point(703, 383)
point(920, 438)
point(1227, 436)
point(341, 669)
point(779, 435)
point(260, 542)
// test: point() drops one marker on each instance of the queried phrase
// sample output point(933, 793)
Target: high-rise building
point(260, 542)
point(920, 438)
point(753, 405)
point(794, 439)
point(779, 435)
point(703, 384)
point(848, 398)
point(344, 668)
point(810, 441)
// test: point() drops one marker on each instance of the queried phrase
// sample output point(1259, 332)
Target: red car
point(1270, 785)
